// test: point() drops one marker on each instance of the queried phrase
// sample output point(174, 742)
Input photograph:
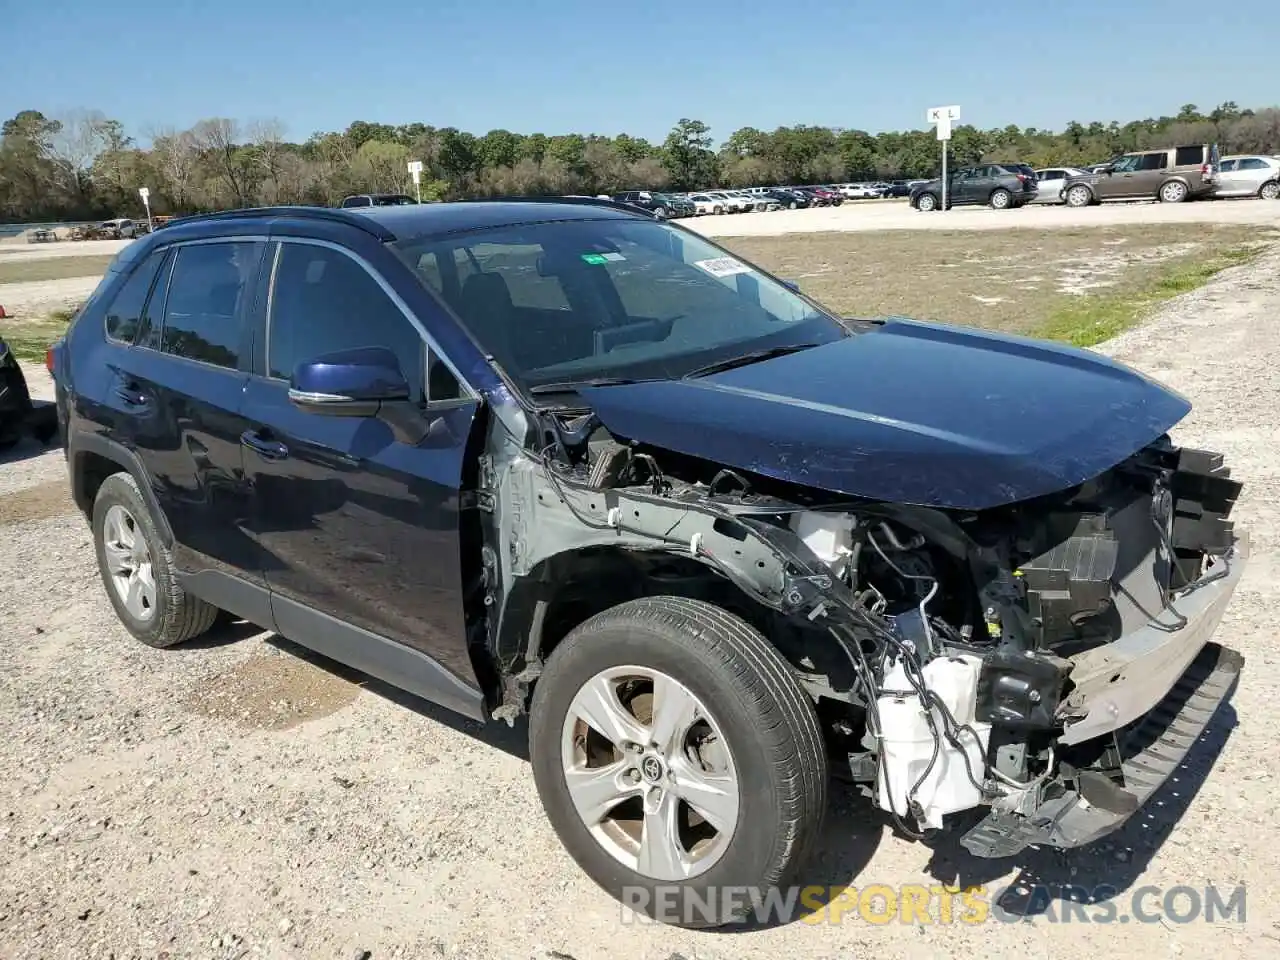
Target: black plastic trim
point(377, 656)
point(79, 443)
point(227, 592)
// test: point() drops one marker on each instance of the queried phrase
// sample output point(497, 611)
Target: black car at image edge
point(563, 461)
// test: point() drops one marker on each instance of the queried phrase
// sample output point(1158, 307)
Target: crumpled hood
point(910, 412)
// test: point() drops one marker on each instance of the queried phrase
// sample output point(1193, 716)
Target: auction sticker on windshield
point(722, 266)
point(598, 258)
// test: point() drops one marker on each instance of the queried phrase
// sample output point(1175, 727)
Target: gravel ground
point(12, 249)
point(888, 215)
point(234, 799)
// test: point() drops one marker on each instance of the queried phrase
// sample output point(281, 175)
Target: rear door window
point(208, 295)
point(1153, 161)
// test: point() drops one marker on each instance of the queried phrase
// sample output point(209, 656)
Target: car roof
point(409, 222)
point(419, 220)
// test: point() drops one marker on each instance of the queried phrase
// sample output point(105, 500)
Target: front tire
point(1269, 190)
point(675, 755)
point(137, 569)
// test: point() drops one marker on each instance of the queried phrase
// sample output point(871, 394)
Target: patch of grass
point(1091, 319)
point(1017, 281)
point(21, 269)
point(29, 339)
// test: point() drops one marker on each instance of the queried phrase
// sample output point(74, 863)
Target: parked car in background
point(731, 202)
point(1050, 183)
point(41, 235)
point(790, 199)
point(1002, 186)
point(1171, 175)
point(377, 200)
point(705, 203)
point(761, 202)
point(661, 205)
point(833, 197)
point(899, 188)
point(860, 191)
point(121, 228)
point(1253, 175)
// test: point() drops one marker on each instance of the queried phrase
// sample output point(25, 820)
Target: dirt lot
point(1008, 280)
point(233, 799)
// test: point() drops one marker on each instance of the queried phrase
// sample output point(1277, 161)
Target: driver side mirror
point(349, 383)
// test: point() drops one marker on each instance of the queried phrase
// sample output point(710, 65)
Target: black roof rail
point(584, 201)
point(298, 212)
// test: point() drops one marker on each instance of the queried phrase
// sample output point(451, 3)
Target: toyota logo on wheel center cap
point(651, 769)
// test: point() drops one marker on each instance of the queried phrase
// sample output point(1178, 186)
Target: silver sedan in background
point(1049, 183)
point(1252, 175)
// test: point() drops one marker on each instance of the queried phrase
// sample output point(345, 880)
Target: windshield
point(589, 299)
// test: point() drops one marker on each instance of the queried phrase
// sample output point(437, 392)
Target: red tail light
point(48, 360)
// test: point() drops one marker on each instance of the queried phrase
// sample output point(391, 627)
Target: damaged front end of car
point(1047, 658)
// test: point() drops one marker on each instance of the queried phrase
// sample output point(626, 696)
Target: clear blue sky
point(559, 66)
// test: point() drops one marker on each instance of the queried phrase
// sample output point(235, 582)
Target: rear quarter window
point(124, 312)
point(1189, 156)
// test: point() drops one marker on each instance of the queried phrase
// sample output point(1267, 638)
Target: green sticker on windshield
point(594, 258)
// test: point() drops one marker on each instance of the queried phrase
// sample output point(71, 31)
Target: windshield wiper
point(569, 386)
point(743, 359)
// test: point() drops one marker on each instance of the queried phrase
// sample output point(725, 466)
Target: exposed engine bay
point(957, 658)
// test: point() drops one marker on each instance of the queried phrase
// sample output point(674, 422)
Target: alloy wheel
point(649, 772)
point(129, 562)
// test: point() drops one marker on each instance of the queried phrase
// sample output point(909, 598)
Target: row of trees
point(86, 165)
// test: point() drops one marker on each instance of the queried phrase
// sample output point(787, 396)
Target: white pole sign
point(942, 118)
point(415, 171)
point(145, 194)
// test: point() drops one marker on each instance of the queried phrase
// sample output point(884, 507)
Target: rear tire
point(1175, 191)
point(635, 666)
point(1269, 190)
point(125, 539)
point(1079, 196)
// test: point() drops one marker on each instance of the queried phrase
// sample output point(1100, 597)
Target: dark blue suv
point(562, 458)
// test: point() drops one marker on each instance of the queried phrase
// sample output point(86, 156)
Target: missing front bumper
point(1151, 749)
point(1115, 685)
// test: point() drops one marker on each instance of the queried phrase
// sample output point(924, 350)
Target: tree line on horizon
point(85, 165)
